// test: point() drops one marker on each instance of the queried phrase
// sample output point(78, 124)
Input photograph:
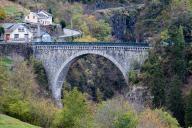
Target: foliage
point(128, 120)
point(40, 73)
point(175, 106)
point(92, 72)
point(114, 113)
point(89, 25)
point(153, 77)
point(76, 112)
point(133, 77)
point(20, 99)
point(157, 118)
point(165, 71)
point(86, 39)
point(3, 77)
point(2, 14)
point(63, 24)
point(2, 31)
point(188, 110)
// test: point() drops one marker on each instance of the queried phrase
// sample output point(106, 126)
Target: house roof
point(43, 11)
point(7, 25)
point(43, 14)
point(10, 27)
point(40, 15)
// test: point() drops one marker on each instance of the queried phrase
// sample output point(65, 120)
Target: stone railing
point(92, 46)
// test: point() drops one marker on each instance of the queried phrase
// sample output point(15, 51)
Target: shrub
point(133, 77)
point(2, 14)
point(112, 113)
point(128, 120)
point(157, 119)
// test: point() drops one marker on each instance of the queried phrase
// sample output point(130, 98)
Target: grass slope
point(9, 122)
point(5, 62)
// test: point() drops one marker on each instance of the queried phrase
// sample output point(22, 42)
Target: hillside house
point(42, 17)
point(42, 37)
point(17, 33)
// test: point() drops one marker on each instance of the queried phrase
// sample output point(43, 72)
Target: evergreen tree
point(155, 79)
point(2, 31)
point(63, 24)
point(188, 111)
point(178, 52)
point(174, 99)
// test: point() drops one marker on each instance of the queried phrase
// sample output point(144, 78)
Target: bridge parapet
point(92, 46)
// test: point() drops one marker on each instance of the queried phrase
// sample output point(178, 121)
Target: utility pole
point(36, 5)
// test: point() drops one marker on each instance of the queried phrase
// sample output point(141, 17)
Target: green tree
point(177, 55)
point(76, 113)
point(128, 120)
point(157, 118)
point(40, 72)
point(2, 31)
point(188, 111)
point(63, 24)
point(174, 99)
point(154, 78)
point(2, 14)
point(109, 113)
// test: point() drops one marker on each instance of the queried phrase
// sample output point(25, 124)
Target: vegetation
point(27, 104)
point(75, 113)
point(63, 24)
point(157, 119)
point(9, 122)
point(2, 14)
point(90, 87)
point(168, 65)
point(188, 110)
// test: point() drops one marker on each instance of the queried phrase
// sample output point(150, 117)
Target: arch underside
point(63, 70)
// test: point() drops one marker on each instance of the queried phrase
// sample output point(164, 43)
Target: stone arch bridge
point(57, 58)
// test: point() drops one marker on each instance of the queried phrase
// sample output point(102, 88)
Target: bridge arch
point(61, 74)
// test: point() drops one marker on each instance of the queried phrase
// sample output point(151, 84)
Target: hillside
point(13, 10)
point(9, 122)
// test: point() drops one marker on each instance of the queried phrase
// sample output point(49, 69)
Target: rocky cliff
point(123, 21)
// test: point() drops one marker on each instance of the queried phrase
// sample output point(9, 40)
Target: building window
point(16, 36)
point(26, 36)
point(21, 29)
point(33, 17)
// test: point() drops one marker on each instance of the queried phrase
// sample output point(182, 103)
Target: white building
point(42, 17)
point(17, 33)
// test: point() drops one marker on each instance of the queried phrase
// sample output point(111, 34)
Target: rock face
point(123, 21)
point(58, 58)
point(139, 97)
